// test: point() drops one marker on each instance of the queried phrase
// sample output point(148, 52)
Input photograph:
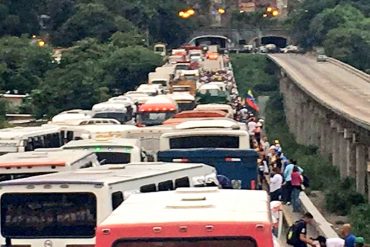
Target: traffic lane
point(213, 64)
point(341, 91)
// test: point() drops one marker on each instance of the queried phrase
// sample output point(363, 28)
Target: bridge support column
point(335, 144)
point(361, 167)
point(350, 154)
point(342, 154)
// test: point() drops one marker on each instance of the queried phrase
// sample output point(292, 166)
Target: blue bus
point(239, 165)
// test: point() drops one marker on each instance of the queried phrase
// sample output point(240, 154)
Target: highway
point(331, 85)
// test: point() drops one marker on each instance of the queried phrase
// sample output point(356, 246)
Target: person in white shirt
point(321, 241)
point(275, 185)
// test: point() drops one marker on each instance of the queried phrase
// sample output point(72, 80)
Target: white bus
point(20, 165)
point(23, 139)
point(113, 110)
point(217, 107)
point(72, 114)
point(190, 217)
point(63, 209)
point(110, 150)
point(214, 133)
point(99, 131)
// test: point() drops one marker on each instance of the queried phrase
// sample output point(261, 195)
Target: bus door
point(239, 165)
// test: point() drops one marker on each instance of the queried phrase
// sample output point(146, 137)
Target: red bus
point(190, 217)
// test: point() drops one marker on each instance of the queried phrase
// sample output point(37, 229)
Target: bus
point(184, 100)
point(156, 110)
point(110, 150)
point(222, 133)
point(64, 209)
point(72, 114)
point(21, 165)
point(23, 139)
point(194, 115)
point(238, 165)
point(217, 107)
point(115, 110)
point(99, 131)
point(190, 217)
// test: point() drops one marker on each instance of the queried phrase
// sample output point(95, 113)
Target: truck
point(160, 78)
point(239, 165)
point(183, 85)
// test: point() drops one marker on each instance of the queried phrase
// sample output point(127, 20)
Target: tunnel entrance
point(280, 42)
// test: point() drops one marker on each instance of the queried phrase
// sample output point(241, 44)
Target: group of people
point(297, 236)
point(285, 179)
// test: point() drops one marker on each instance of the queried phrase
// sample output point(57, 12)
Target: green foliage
point(22, 65)
point(360, 218)
point(249, 75)
point(90, 72)
point(125, 68)
point(341, 26)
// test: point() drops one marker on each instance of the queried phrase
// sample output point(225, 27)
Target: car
point(290, 49)
point(321, 58)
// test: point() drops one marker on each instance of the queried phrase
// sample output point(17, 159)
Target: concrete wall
point(346, 144)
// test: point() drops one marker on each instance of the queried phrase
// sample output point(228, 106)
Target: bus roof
point(116, 142)
point(110, 106)
point(55, 157)
point(211, 123)
point(17, 132)
point(201, 114)
point(108, 174)
point(208, 204)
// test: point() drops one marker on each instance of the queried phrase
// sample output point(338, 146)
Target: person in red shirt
point(296, 184)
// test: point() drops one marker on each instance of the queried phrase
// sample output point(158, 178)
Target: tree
point(126, 39)
point(89, 20)
point(126, 68)
point(22, 65)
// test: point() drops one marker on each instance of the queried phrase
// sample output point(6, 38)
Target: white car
point(321, 58)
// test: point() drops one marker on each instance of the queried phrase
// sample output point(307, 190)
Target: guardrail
point(351, 69)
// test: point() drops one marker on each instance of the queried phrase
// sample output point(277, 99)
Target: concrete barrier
point(351, 69)
point(323, 227)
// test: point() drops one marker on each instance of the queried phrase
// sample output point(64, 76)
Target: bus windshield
point(121, 117)
point(113, 157)
point(204, 142)
point(154, 118)
point(39, 215)
point(191, 242)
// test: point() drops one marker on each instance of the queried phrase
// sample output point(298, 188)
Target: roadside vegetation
point(106, 48)
point(342, 27)
point(341, 198)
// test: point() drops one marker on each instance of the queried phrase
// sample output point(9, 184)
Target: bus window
point(114, 158)
point(166, 185)
point(182, 182)
point(188, 242)
point(204, 142)
point(117, 199)
point(148, 188)
point(48, 215)
point(87, 165)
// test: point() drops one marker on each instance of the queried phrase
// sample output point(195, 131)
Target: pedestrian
point(349, 238)
point(297, 233)
point(329, 242)
point(257, 132)
point(266, 145)
point(287, 188)
point(275, 185)
point(296, 180)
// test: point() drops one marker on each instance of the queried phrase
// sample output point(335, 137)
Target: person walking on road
point(296, 185)
point(349, 238)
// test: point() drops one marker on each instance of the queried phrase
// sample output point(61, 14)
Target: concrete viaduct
point(327, 104)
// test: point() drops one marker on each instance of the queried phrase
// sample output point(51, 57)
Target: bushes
point(360, 218)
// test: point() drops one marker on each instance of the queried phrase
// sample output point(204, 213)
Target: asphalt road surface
point(331, 85)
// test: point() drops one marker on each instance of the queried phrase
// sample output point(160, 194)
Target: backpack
point(292, 236)
point(306, 181)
